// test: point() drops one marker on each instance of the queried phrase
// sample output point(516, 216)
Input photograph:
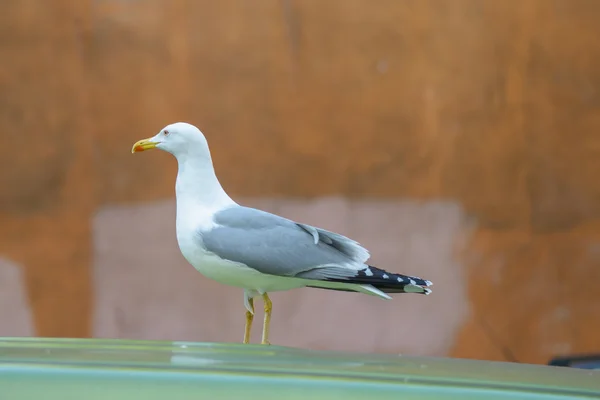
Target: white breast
point(214, 267)
point(235, 274)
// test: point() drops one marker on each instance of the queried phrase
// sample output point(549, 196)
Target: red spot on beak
point(138, 148)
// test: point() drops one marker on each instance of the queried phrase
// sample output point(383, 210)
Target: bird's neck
point(197, 185)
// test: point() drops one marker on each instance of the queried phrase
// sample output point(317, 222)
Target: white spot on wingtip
point(414, 289)
point(412, 282)
point(385, 276)
point(400, 280)
point(368, 272)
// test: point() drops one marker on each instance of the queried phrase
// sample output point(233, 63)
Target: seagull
point(255, 250)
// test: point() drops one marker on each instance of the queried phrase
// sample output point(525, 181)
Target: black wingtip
point(389, 282)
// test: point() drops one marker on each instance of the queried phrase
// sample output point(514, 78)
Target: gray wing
point(278, 246)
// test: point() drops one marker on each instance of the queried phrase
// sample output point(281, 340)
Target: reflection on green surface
point(116, 369)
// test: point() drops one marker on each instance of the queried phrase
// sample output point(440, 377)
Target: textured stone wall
point(475, 122)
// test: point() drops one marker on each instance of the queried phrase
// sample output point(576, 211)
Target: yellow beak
point(142, 145)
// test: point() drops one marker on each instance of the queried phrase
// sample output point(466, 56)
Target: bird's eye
point(166, 132)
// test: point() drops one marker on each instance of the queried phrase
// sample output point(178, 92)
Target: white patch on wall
point(145, 289)
point(15, 314)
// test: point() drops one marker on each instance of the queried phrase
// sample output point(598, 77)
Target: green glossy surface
point(32, 368)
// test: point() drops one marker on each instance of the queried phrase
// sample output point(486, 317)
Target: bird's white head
point(180, 139)
point(196, 180)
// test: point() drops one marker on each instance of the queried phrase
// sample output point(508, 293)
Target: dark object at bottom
point(589, 361)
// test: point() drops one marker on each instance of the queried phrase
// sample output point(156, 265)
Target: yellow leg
point(249, 318)
point(267, 322)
